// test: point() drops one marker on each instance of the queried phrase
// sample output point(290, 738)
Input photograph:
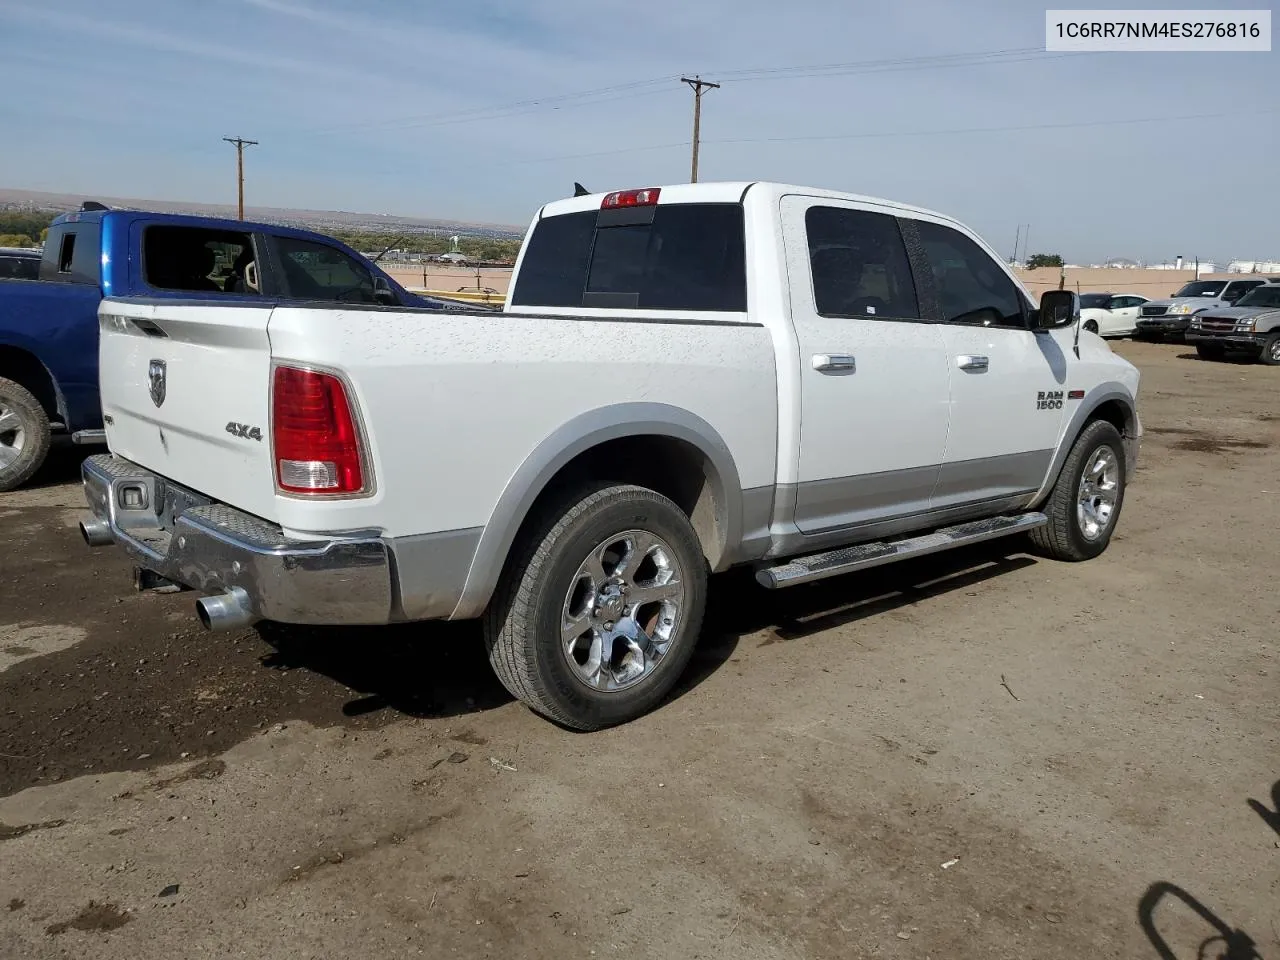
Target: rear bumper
point(185, 538)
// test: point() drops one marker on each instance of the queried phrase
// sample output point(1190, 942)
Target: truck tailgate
point(186, 393)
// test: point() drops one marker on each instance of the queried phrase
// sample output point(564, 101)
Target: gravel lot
point(979, 755)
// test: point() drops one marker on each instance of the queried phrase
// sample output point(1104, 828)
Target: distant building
point(1253, 266)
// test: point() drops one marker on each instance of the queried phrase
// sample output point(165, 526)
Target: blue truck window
point(66, 253)
point(316, 271)
point(198, 259)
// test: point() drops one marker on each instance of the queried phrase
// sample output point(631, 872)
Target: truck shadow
point(441, 669)
point(1226, 942)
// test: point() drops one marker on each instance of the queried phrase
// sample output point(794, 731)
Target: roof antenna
point(579, 190)
point(93, 205)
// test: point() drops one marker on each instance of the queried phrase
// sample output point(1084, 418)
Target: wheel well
point(674, 468)
point(23, 368)
point(1116, 414)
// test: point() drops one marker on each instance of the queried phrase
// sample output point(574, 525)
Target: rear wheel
point(1270, 354)
point(24, 435)
point(1085, 502)
point(1210, 351)
point(597, 617)
point(1091, 326)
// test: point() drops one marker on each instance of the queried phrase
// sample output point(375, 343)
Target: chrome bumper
point(258, 573)
point(1238, 338)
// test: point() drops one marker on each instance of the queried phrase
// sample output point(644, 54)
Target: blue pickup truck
point(49, 325)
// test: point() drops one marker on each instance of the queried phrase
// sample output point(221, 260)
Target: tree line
point(22, 229)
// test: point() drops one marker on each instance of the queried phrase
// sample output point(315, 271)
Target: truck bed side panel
point(455, 403)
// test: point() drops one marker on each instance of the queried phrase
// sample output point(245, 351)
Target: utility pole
point(240, 145)
point(697, 85)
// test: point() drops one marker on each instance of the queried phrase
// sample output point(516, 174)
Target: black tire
point(1064, 537)
point(1210, 351)
point(1091, 326)
point(522, 626)
point(36, 436)
point(1270, 353)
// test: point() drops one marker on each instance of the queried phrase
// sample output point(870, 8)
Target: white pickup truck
point(685, 378)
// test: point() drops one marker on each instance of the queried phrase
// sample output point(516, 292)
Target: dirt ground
point(982, 755)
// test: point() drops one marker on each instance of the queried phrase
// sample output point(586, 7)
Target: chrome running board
point(863, 556)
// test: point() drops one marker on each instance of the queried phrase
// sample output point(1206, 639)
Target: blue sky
point(482, 110)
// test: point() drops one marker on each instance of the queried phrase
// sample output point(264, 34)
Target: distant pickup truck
point(49, 316)
point(1252, 326)
point(1169, 319)
point(685, 379)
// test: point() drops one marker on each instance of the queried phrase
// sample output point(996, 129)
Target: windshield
point(1094, 301)
point(1201, 288)
point(1268, 296)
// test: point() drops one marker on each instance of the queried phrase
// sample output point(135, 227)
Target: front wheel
point(1270, 354)
point(24, 435)
point(1086, 499)
point(597, 617)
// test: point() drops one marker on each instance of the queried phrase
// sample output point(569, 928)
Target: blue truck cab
point(49, 325)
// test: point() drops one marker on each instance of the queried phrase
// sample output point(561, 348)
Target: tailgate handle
point(148, 327)
point(970, 362)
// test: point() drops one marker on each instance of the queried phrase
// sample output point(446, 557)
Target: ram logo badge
point(156, 377)
point(244, 431)
point(1049, 400)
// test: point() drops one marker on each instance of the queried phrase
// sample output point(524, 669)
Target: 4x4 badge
point(156, 378)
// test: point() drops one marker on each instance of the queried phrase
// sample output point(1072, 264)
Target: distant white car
point(1110, 314)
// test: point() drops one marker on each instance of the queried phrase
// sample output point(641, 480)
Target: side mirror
point(382, 292)
point(1058, 308)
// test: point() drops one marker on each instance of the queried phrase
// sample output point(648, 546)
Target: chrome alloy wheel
point(622, 610)
point(12, 436)
point(1274, 350)
point(1098, 493)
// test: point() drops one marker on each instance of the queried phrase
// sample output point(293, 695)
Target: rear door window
point(859, 264)
point(687, 257)
point(199, 260)
point(317, 271)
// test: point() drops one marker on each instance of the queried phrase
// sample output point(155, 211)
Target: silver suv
point(1252, 325)
point(1168, 319)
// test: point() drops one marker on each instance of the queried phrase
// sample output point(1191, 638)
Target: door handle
point(826, 362)
point(970, 362)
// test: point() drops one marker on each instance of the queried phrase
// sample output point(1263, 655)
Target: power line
point(657, 85)
point(240, 145)
point(1002, 129)
point(697, 85)
point(888, 134)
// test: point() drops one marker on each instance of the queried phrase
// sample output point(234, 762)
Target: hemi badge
point(1075, 395)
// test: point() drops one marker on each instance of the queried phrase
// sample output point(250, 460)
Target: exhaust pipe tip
point(96, 532)
point(226, 611)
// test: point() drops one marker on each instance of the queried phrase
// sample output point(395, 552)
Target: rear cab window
point(71, 253)
point(685, 256)
point(200, 260)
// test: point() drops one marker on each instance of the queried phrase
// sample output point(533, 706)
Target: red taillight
point(630, 198)
point(316, 444)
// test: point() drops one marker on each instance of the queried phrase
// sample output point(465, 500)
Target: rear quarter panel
point(454, 404)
